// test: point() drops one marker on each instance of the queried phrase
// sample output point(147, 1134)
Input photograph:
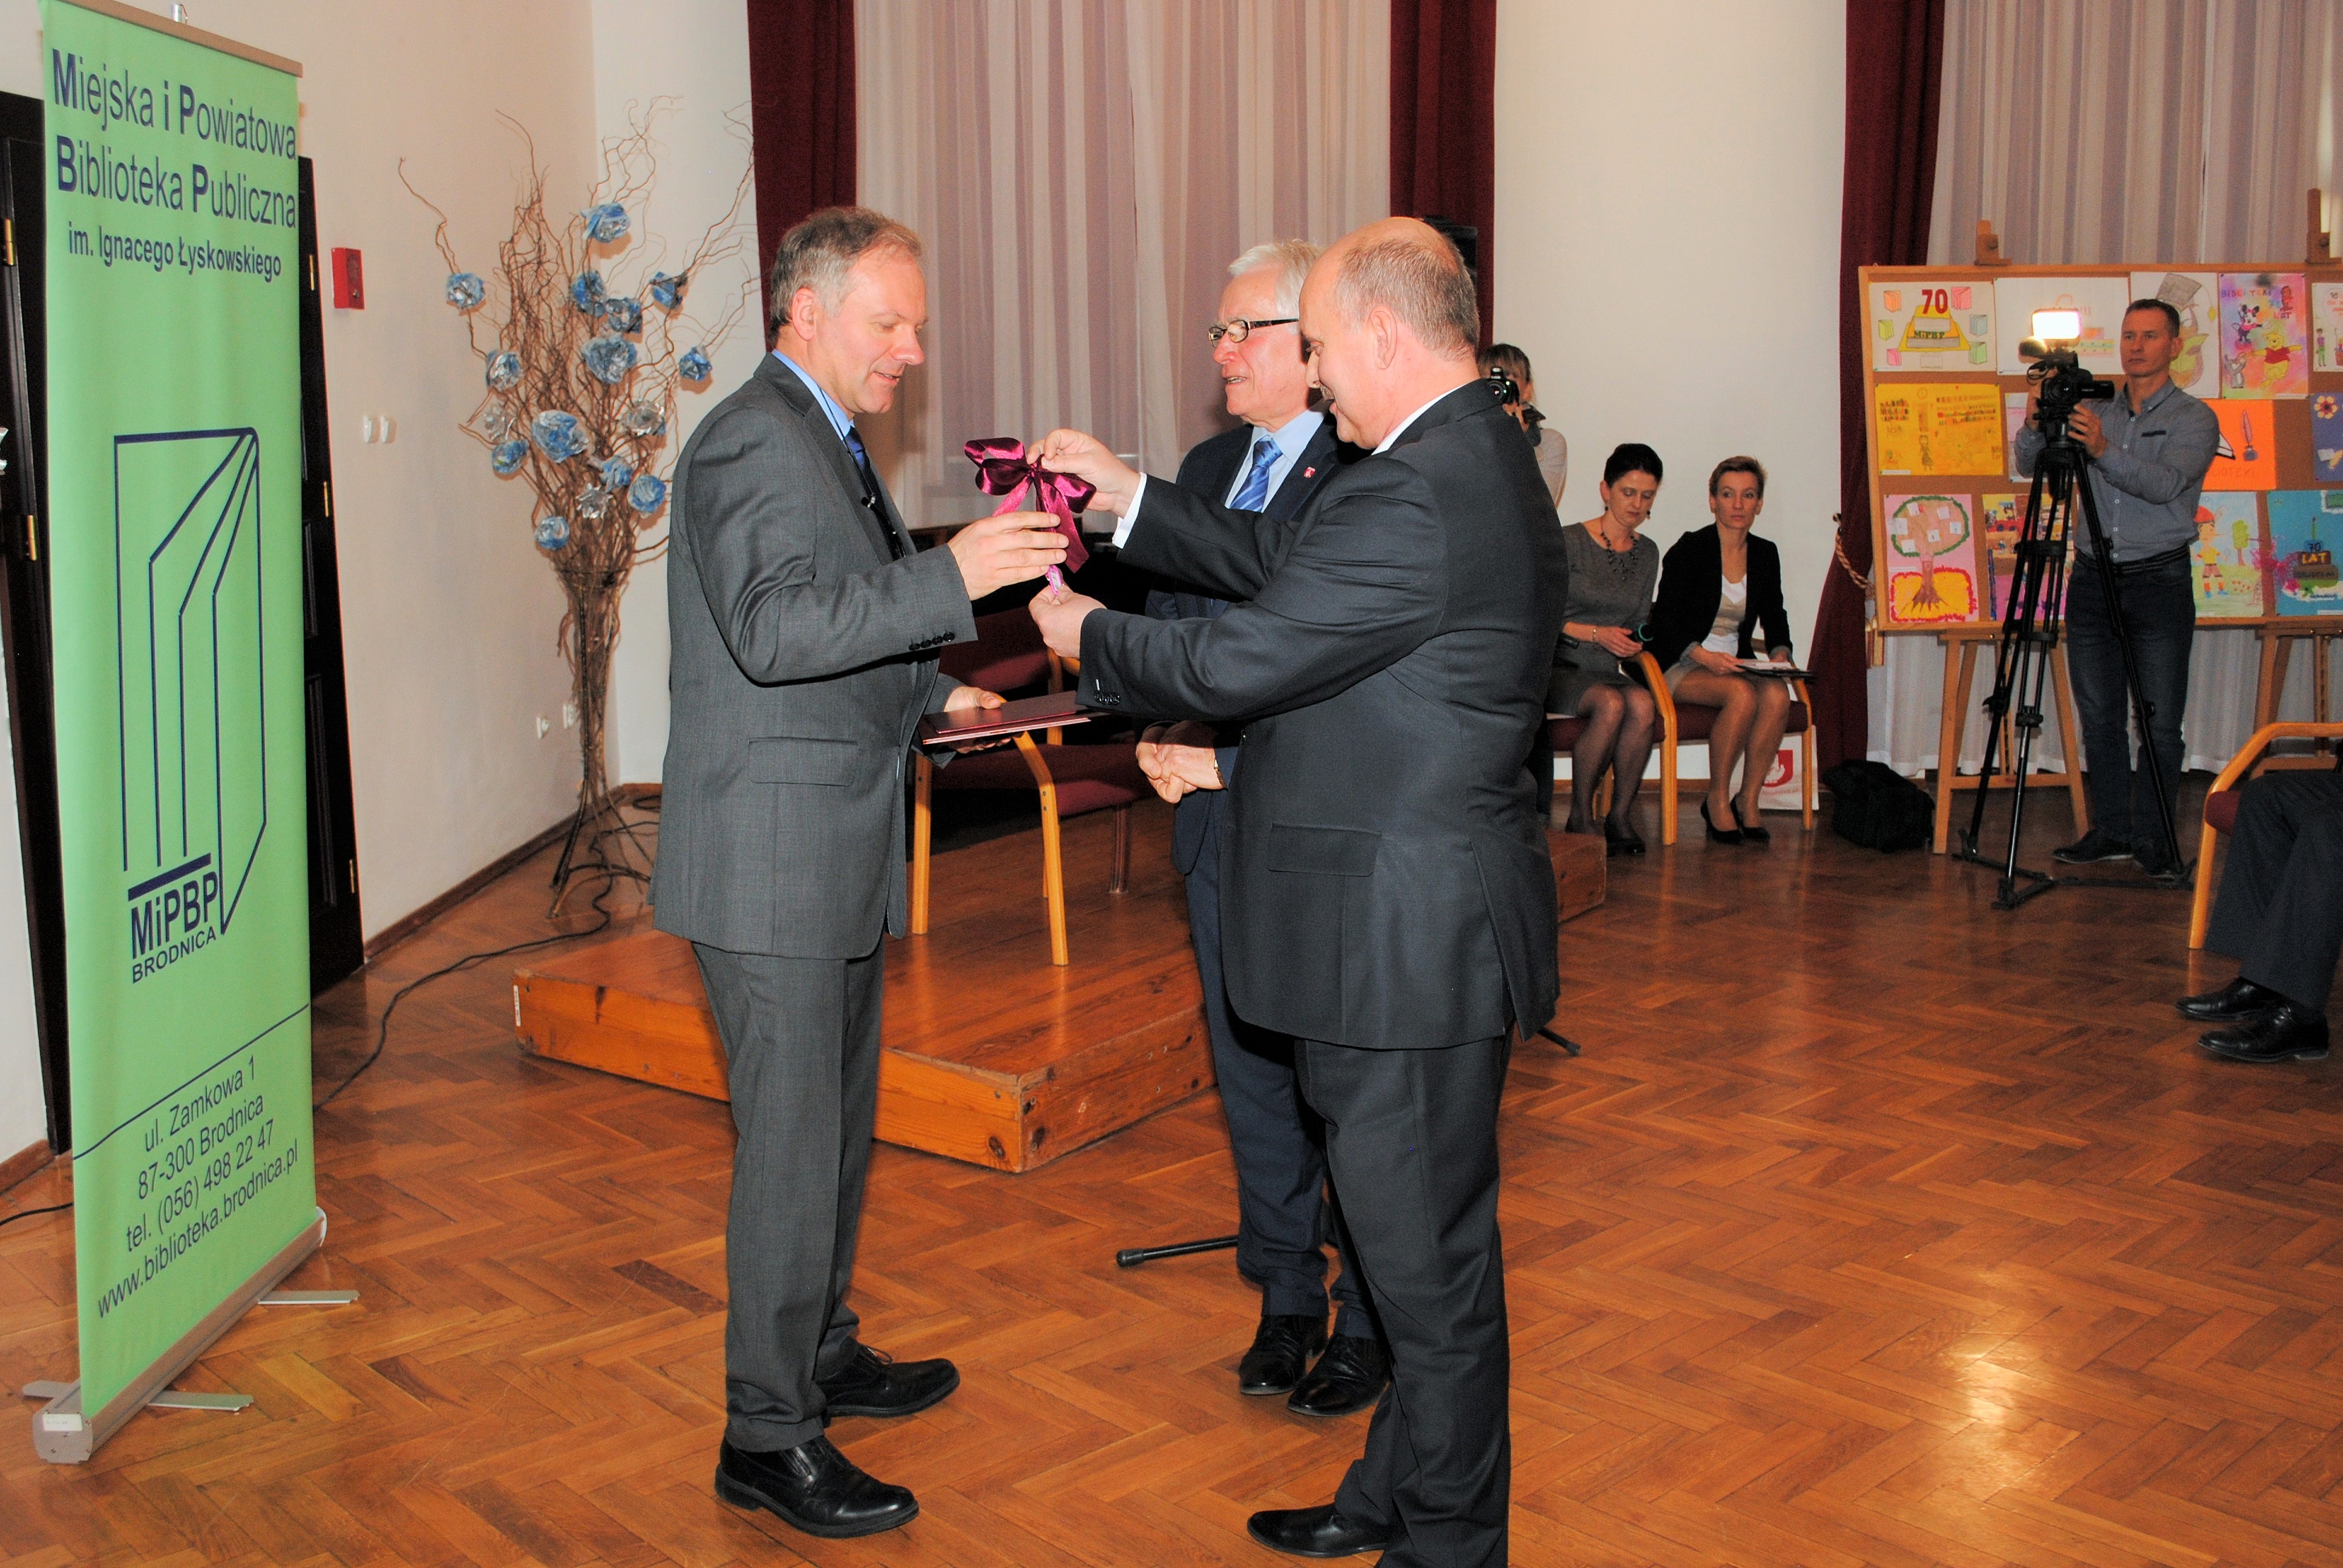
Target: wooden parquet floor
point(1873, 1227)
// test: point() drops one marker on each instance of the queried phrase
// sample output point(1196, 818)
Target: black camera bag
point(1876, 806)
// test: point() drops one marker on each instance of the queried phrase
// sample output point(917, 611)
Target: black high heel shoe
point(1618, 840)
point(1717, 835)
point(1751, 832)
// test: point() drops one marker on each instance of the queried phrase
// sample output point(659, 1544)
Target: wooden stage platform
point(993, 1055)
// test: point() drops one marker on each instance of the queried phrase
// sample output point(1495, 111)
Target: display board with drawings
point(1945, 391)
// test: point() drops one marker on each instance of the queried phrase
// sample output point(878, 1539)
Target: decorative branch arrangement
point(582, 371)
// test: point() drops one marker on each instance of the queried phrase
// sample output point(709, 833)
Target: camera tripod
point(2030, 637)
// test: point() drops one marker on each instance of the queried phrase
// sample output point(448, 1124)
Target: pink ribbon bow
point(1003, 469)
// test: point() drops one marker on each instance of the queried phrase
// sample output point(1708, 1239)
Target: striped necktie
point(1255, 494)
point(870, 491)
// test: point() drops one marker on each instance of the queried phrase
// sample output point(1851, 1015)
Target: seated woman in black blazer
point(1716, 585)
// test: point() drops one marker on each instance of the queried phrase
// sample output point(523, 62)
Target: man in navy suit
point(1270, 463)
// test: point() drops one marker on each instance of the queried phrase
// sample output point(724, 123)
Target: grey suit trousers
point(802, 1049)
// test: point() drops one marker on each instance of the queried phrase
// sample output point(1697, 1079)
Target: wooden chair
point(1073, 780)
point(2221, 803)
point(1682, 721)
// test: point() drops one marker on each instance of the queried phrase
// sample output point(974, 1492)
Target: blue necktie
point(1255, 494)
point(870, 491)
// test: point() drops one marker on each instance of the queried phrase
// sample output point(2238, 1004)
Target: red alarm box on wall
point(350, 279)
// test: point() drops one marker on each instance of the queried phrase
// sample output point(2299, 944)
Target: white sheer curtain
point(1083, 171)
point(2126, 131)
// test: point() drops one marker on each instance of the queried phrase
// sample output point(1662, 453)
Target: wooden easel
point(2277, 637)
point(1962, 646)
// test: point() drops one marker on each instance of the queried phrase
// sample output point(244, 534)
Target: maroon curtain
point(1895, 74)
point(800, 113)
point(1443, 120)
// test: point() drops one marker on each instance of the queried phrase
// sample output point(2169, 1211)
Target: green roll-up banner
point(174, 475)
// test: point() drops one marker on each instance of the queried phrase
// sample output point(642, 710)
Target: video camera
point(2060, 382)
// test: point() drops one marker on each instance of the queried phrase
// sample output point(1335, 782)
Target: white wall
point(1668, 179)
point(697, 54)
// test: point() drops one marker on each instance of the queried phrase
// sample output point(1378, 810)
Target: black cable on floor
point(28, 1213)
point(611, 876)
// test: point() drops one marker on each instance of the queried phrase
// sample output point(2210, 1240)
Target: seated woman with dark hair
point(1611, 573)
point(1719, 584)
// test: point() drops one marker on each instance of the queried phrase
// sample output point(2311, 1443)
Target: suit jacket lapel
point(1309, 471)
point(826, 439)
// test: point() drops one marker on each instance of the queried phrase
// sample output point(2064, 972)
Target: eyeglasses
point(1237, 331)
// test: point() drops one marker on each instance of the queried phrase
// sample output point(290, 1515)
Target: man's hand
point(1013, 547)
point(1060, 616)
point(965, 697)
point(1087, 457)
point(1179, 758)
point(2085, 426)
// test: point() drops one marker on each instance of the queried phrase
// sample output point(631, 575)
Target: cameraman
point(2148, 452)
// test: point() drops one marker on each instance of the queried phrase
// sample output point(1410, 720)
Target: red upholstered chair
point(1073, 780)
point(2221, 809)
point(1682, 721)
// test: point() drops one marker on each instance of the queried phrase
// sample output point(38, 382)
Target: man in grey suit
point(1386, 897)
point(804, 627)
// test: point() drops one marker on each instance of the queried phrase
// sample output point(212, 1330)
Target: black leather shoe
point(875, 1383)
point(1751, 832)
point(1312, 1533)
point(2240, 999)
point(1717, 835)
point(1347, 1379)
point(814, 1488)
point(2287, 1032)
point(1280, 1353)
point(2091, 848)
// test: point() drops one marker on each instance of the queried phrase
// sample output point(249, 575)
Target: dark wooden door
point(24, 586)
point(336, 938)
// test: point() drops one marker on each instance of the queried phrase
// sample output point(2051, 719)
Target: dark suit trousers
point(1411, 1137)
point(1281, 1154)
point(801, 1051)
point(2281, 904)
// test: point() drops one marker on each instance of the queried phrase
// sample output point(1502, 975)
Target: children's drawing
point(1933, 576)
point(2303, 528)
point(2101, 301)
point(1938, 426)
point(2326, 437)
point(1925, 326)
point(2197, 368)
point(2265, 335)
point(2326, 327)
point(2229, 556)
point(2247, 458)
point(2002, 517)
point(2013, 420)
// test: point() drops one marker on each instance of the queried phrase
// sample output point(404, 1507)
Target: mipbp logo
point(195, 732)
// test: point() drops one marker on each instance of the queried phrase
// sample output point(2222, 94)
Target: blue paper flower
point(552, 533)
point(665, 292)
point(620, 314)
point(643, 417)
point(615, 472)
point(586, 291)
point(504, 370)
point(465, 290)
point(592, 502)
point(692, 365)
point(556, 434)
point(606, 222)
point(507, 455)
point(646, 493)
point(609, 357)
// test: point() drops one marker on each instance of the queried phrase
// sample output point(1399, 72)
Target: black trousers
point(1279, 1143)
point(801, 1051)
point(1412, 1138)
point(2161, 613)
point(2280, 909)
